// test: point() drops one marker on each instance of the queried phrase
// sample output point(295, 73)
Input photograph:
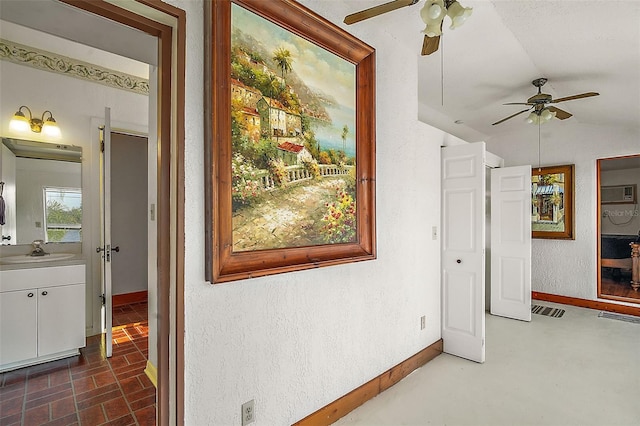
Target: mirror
point(42, 191)
point(618, 226)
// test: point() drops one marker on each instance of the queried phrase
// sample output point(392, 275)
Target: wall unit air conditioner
point(619, 194)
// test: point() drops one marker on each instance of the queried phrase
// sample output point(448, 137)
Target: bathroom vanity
point(42, 311)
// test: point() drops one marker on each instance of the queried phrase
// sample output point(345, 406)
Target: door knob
point(458, 260)
point(116, 249)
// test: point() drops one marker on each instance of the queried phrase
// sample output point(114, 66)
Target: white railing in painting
point(300, 173)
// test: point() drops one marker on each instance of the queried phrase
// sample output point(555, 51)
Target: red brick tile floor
point(87, 389)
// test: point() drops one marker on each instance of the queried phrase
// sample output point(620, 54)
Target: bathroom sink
point(25, 258)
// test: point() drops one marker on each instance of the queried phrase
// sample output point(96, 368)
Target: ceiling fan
point(432, 14)
point(537, 104)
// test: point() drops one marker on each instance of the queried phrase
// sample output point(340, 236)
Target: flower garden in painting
point(293, 143)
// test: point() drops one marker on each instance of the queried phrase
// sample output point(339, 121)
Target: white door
point(463, 242)
point(105, 229)
point(511, 242)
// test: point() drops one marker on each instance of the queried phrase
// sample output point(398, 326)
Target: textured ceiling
point(580, 46)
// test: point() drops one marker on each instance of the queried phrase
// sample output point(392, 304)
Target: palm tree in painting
point(345, 132)
point(282, 58)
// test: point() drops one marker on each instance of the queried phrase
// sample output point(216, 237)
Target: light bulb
point(50, 128)
point(432, 14)
point(432, 10)
point(19, 123)
point(435, 11)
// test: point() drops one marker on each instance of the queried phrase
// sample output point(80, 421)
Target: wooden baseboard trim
point(349, 402)
point(127, 298)
point(584, 303)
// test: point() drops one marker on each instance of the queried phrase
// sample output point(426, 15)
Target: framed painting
point(552, 201)
point(290, 131)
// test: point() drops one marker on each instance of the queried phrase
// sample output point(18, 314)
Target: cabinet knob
point(30, 295)
point(44, 293)
point(459, 261)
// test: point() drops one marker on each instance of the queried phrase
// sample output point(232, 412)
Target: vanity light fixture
point(48, 126)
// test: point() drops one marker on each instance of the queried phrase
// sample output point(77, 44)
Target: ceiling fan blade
point(430, 45)
point(518, 103)
point(560, 113)
point(511, 116)
point(570, 98)
point(377, 10)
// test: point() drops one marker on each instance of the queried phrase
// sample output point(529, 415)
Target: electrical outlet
point(423, 322)
point(248, 413)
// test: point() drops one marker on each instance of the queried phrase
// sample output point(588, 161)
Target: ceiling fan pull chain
point(442, 70)
point(539, 168)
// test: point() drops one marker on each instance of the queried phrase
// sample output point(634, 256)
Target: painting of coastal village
point(548, 203)
point(293, 139)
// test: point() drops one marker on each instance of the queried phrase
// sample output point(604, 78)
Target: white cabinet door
point(61, 319)
point(18, 324)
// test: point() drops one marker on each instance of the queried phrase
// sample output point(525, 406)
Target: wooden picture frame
point(552, 202)
point(272, 115)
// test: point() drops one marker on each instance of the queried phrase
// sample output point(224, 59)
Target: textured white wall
point(295, 342)
point(567, 268)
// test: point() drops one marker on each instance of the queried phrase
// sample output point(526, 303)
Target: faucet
point(37, 248)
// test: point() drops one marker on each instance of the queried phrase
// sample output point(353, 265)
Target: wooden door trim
point(170, 135)
point(600, 295)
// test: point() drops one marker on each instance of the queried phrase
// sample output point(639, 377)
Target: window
point(63, 215)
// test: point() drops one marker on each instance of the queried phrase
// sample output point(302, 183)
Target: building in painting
point(293, 154)
point(278, 120)
point(249, 96)
point(548, 202)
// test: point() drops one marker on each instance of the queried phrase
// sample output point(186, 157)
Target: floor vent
point(619, 317)
point(547, 311)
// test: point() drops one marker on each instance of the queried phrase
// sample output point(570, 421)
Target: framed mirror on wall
point(42, 192)
point(618, 227)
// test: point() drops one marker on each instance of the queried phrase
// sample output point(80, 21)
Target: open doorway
point(618, 227)
point(166, 24)
point(130, 235)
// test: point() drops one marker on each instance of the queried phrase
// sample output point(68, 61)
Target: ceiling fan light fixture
point(546, 115)
point(533, 118)
point(458, 14)
point(432, 14)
